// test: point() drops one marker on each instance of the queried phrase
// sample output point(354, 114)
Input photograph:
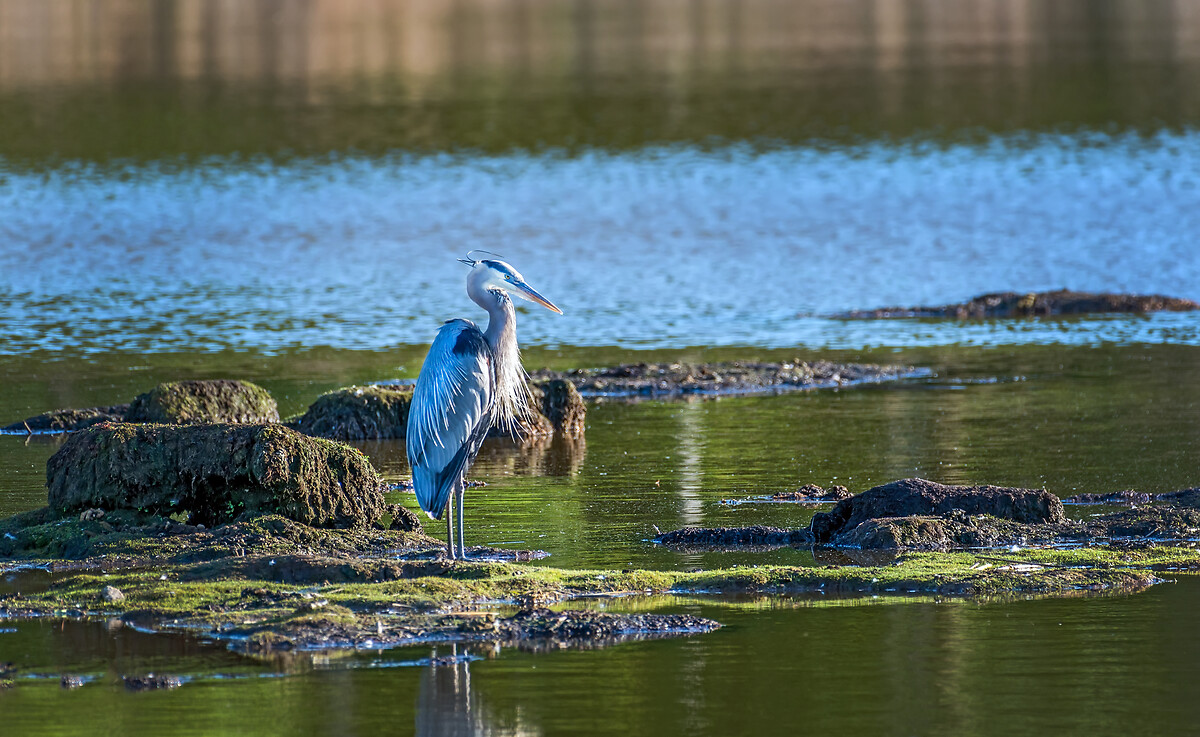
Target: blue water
point(663, 247)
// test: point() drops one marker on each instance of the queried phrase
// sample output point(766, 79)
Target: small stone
point(111, 594)
point(71, 682)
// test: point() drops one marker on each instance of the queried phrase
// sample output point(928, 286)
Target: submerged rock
point(358, 413)
point(217, 400)
point(1031, 304)
point(214, 473)
point(677, 379)
point(918, 497)
point(68, 420)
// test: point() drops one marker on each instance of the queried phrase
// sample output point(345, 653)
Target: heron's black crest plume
point(470, 260)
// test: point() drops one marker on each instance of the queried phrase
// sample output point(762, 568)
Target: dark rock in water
point(151, 682)
point(403, 519)
point(1183, 498)
point(68, 420)
point(1032, 304)
point(814, 494)
point(918, 497)
point(675, 379)
point(220, 400)
point(215, 473)
point(582, 624)
point(719, 537)
point(71, 682)
point(358, 413)
point(919, 515)
point(563, 405)
point(1116, 497)
point(939, 533)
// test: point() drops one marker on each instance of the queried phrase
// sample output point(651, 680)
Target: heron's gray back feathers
point(451, 412)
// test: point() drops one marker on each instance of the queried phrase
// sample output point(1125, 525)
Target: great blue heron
point(471, 380)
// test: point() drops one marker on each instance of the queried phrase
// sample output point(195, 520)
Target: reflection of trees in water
point(621, 74)
point(691, 470)
point(446, 704)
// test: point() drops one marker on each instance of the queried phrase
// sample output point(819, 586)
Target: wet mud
point(664, 380)
point(1033, 304)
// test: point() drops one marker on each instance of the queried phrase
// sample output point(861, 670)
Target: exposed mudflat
point(269, 582)
point(1033, 304)
point(734, 377)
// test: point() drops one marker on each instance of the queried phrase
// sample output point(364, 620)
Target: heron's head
point(489, 272)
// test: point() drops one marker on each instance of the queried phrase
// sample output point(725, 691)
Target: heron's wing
point(450, 412)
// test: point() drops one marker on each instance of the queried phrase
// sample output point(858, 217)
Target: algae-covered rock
point(358, 413)
point(220, 400)
point(563, 406)
point(214, 473)
point(68, 420)
point(918, 497)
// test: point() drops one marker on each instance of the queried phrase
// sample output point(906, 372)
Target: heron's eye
point(508, 277)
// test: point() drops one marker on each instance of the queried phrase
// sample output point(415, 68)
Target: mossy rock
point(214, 473)
point(68, 420)
point(357, 413)
point(564, 407)
point(218, 400)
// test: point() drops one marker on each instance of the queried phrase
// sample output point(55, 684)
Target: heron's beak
point(532, 295)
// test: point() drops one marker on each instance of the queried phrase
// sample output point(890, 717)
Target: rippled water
point(663, 247)
point(277, 192)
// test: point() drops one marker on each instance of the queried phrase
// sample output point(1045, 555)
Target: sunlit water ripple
point(664, 247)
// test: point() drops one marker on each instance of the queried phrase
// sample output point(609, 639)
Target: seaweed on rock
point(373, 412)
point(217, 400)
point(214, 473)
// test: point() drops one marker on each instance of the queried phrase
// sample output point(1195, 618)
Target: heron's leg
point(450, 526)
point(462, 540)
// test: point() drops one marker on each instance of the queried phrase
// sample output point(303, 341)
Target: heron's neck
point(512, 394)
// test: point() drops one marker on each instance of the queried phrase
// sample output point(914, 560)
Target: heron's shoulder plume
point(512, 383)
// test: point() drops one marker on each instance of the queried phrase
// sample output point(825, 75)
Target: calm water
point(277, 192)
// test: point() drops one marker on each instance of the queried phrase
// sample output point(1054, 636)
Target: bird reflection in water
point(446, 704)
